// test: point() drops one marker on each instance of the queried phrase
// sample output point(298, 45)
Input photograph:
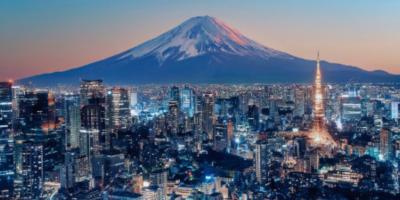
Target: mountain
point(206, 50)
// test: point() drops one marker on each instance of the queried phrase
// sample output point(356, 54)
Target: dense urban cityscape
point(200, 141)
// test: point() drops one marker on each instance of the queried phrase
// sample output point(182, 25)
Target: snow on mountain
point(206, 50)
point(198, 36)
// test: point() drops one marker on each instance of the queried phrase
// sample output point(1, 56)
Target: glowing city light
point(146, 183)
point(319, 135)
point(237, 140)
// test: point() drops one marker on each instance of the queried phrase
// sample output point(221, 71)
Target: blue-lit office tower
point(36, 113)
point(6, 142)
point(208, 114)
point(118, 109)
point(93, 127)
point(253, 117)
point(174, 95)
point(37, 145)
point(41, 115)
point(187, 101)
point(69, 171)
point(350, 107)
point(299, 102)
point(91, 89)
point(29, 168)
point(133, 97)
point(220, 137)
point(385, 144)
point(72, 119)
point(173, 118)
point(261, 162)
point(395, 110)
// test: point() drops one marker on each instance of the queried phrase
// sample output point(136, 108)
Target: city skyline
point(34, 42)
point(199, 100)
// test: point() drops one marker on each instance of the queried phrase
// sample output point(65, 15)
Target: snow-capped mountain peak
point(198, 36)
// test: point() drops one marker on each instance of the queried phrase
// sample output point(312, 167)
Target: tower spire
point(319, 132)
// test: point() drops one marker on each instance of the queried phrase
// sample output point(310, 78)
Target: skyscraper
point(173, 117)
point(93, 127)
point(5, 107)
point(208, 114)
point(37, 145)
point(220, 137)
point(395, 110)
point(72, 120)
point(36, 112)
point(253, 117)
point(91, 89)
point(187, 101)
point(93, 122)
point(299, 108)
point(68, 172)
point(175, 95)
point(351, 109)
point(261, 162)
point(133, 98)
point(385, 141)
point(29, 170)
point(118, 111)
point(6, 142)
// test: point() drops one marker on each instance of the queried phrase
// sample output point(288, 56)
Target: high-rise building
point(5, 108)
point(187, 101)
point(107, 165)
point(29, 170)
point(351, 108)
point(299, 108)
point(208, 114)
point(300, 147)
point(175, 95)
point(37, 143)
point(274, 111)
point(91, 89)
point(395, 110)
point(160, 179)
point(93, 122)
point(133, 98)
point(36, 113)
point(385, 141)
point(253, 117)
point(153, 192)
point(314, 161)
point(68, 172)
point(173, 118)
point(261, 162)
point(72, 117)
point(6, 142)
point(118, 111)
point(17, 91)
point(220, 137)
point(93, 127)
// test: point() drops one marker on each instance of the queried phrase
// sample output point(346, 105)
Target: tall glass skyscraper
point(72, 120)
point(187, 101)
point(118, 110)
point(6, 141)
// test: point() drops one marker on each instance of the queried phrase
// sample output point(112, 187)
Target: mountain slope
point(206, 50)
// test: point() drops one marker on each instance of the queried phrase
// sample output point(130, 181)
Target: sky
point(53, 35)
